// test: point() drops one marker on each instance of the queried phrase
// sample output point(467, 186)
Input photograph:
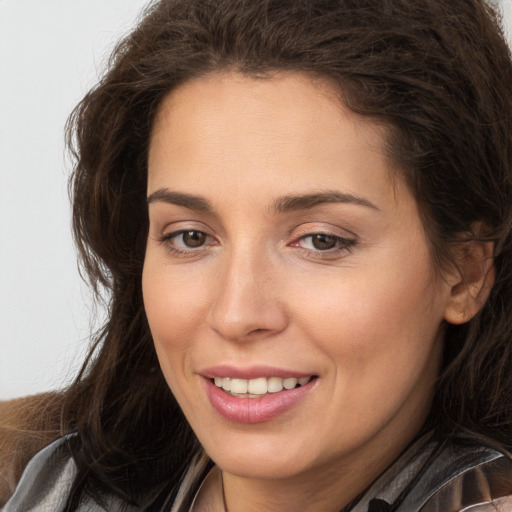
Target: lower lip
point(255, 410)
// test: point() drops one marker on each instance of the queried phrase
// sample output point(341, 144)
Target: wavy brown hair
point(436, 73)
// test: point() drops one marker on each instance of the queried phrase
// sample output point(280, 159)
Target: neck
point(324, 488)
point(250, 495)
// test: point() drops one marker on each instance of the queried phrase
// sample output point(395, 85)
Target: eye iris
point(323, 242)
point(194, 238)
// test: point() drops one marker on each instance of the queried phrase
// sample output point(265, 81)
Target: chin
point(262, 457)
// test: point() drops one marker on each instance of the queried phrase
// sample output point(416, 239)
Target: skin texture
point(365, 316)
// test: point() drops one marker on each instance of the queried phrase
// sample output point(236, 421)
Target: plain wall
point(50, 53)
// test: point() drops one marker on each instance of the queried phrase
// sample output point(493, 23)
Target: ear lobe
point(471, 281)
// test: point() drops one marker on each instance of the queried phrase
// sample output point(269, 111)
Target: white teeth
point(257, 387)
point(274, 385)
point(289, 383)
point(239, 386)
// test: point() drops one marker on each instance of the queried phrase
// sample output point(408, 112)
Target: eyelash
point(341, 244)
point(182, 251)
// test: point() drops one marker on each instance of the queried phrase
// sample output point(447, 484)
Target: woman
point(302, 211)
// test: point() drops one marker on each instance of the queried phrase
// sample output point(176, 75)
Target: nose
point(246, 303)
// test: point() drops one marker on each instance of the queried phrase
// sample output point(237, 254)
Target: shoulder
point(498, 505)
point(463, 478)
point(26, 425)
point(46, 481)
point(451, 476)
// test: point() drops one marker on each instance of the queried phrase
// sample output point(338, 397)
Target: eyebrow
point(283, 204)
point(306, 201)
point(189, 201)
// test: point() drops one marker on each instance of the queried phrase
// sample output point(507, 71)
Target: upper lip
point(251, 372)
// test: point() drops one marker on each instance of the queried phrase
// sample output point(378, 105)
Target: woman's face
point(282, 252)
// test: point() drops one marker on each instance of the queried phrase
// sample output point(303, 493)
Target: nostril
point(256, 331)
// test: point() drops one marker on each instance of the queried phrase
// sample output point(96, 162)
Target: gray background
point(51, 52)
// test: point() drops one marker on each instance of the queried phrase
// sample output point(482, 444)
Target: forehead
point(292, 127)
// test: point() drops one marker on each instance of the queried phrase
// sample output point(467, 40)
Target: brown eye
point(323, 242)
point(193, 238)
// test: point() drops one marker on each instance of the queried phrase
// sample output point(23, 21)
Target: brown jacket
point(26, 426)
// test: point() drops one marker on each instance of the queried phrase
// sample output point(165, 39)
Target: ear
point(472, 278)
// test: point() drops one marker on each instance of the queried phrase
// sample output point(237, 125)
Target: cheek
point(377, 323)
point(173, 305)
point(384, 348)
point(172, 320)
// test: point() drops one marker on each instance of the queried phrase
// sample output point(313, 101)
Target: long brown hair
point(436, 73)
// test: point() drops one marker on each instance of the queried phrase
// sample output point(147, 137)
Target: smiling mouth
point(256, 388)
